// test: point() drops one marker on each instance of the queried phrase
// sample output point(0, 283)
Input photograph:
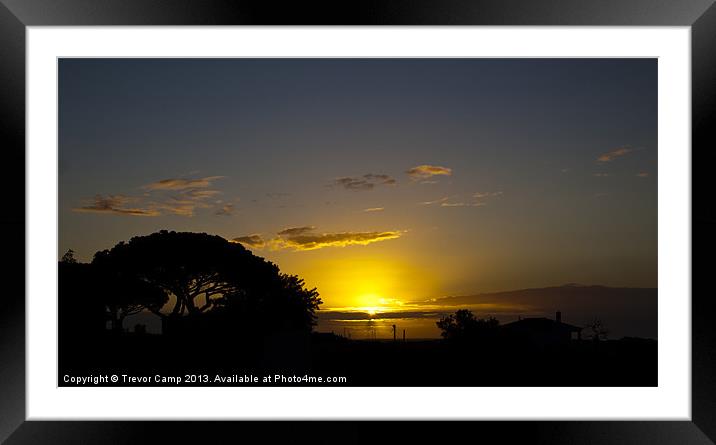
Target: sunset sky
point(383, 182)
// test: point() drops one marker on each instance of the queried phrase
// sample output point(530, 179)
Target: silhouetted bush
point(463, 325)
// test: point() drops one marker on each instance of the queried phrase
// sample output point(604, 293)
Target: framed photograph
point(469, 212)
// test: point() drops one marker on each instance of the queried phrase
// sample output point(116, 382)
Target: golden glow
point(370, 301)
point(371, 285)
point(370, 310)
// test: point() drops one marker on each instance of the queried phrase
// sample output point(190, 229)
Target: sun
point(371, 311)
point(370, 303)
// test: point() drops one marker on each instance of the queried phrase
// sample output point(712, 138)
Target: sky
point(379, 181)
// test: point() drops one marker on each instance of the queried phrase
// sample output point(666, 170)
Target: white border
point(671, 400)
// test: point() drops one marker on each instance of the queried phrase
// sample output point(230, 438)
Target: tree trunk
point(117, 323)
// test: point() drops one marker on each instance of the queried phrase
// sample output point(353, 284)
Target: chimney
point(559, 317)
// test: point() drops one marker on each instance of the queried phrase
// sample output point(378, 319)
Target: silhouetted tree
point(69, 257)
point(464, 325)
point(127, 295)
point(81, 312)
point(203, 273)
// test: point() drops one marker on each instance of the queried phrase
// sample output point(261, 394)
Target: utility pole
point(394, 333)
point(403, 335)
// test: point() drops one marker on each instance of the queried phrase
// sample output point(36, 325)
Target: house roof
point(541, 324)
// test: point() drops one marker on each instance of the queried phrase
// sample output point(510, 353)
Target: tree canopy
point(464, 325)
point(184, 274)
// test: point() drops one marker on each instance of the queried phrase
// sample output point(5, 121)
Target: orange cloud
point(312, 241)
point(304, 238)
point(611, 155)
point(427, 171)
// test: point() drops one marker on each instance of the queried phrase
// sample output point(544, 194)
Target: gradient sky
point(398, 179)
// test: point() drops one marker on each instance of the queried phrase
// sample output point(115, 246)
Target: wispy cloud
point(115, 204)
point(363, 183)
point(463, 204)
point(312, 241)
point(478, 199)
point(616, 153)
point(180, 206)
point(374, 209)
point(485, 195)
point(305, 238)
point(182, 183)
point(225, 210)
point(601, 175)
point(184, 202)
point(435, 201)
point(169, 196)
point(199, 194)
point(425, 171)
point(643, 174)
point(296, 231)
point(254, 240)
point(380, 179)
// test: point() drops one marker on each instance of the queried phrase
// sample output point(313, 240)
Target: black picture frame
point(16, 15)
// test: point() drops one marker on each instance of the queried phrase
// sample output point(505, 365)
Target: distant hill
point(625, 311)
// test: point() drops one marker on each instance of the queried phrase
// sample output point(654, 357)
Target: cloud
point(184, 202)
point(296, 231)
point(182, 183)
point(225, 210)
point(305, 238)
point(354, 184)
point(478, 200)
point(313, 241)
point(463, 204)
point(115, 204)
point(601, 175)
point(422, 172)
point(181, 207)
point(254, 240)
point(611, 155)
point(363, 183)
point(483, 195)
point(380, 179)
point(169, 196)
point(643, 174)
point(374, 209)
point(199, 194)
point(437, 201)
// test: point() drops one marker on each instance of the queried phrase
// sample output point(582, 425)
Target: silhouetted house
point(541, 332)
